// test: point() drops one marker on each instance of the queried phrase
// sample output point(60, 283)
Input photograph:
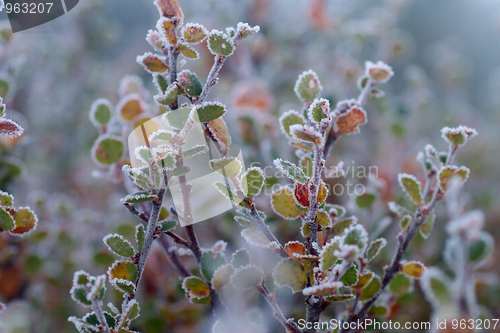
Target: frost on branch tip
point(246, 30)
point(459, 135)
point(170, 9)
point(379, 71)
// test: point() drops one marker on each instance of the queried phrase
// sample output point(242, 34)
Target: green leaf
point(209, 111)
point(6, 220)
point(378, 310)
point(190, 83)
point(139, 197)
point(356, 235)
point(481, 248)
point(101, 113)
point(447, 172)
point(169, 95)
point(400, 284)
point(252, 182)
point(365, 200)
point(79, 295)
point(437, 287)
point(108, 149)
point(123, 270)
point(220, 44)
point(226, 166)
point(119, 245)
point(291, 170)
point(196, 150)
point(247, 277)
point(256, 238)
point(180, 171)
point(414, 269)
point(4, 87)
point(375, 247)
point(124, 286)
point(405, 222)
point(139, 237)
point(241, 258)
point(290, 273)
point(339, 298)
point(210, 262)
point(129, 312)
point(143, 153)
point(195, 287)
point(177, 118)
point(319, 110)
point(426, 228)
point(25, 221)
point(339, 227)
point(222, 277)
point(92, 319)
point(458, 136)
point(226, 192)
point(161, 83)
point(371, 289)
point(188, 51)
point(398, 210)
point(288, 119)
point(308, 86)
point(350, 277)
point(411, 186)
point(283, 203)
point(168, 225)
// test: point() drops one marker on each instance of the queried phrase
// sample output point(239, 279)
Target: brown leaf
point(348, 123)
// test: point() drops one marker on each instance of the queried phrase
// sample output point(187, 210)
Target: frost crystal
point(245, 30)
point(155, 40)
point(378, 71)
point(9, 128)
point(469, 224)
point(458, 135)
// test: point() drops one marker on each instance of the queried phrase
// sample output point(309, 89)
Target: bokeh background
point(446, 59)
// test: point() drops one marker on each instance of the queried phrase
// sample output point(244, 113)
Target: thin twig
point(288, 324)
point(97, 307)
point(212, 78)
point(150, 232)
point(262, 226)
point(173, 257)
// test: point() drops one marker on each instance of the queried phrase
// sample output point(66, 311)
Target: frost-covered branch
point(288, 324)
point(421, 214)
